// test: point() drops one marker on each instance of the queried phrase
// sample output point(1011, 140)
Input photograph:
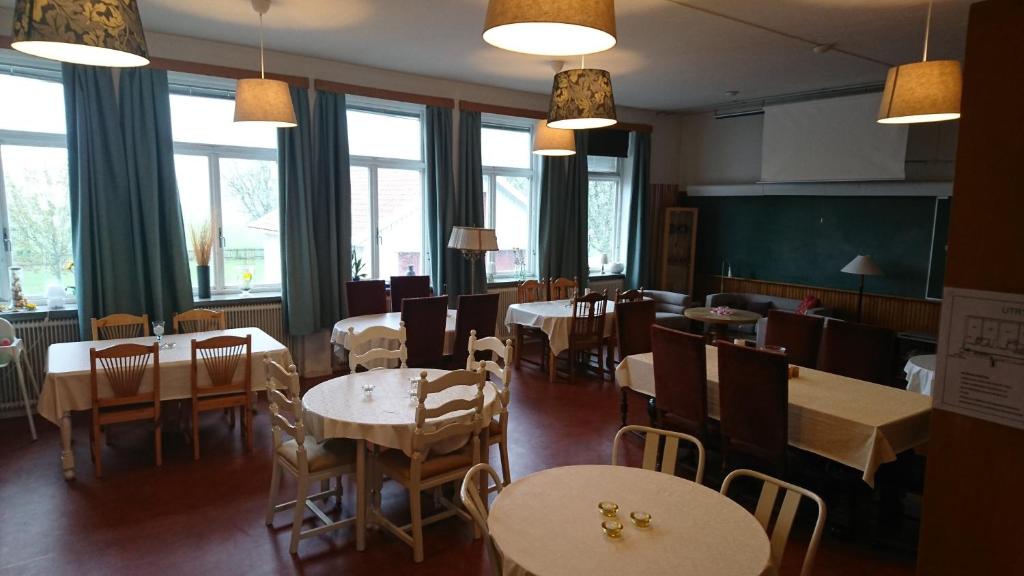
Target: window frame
point(615, 176)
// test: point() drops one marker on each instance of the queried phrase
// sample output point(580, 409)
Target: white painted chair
point(308, 461)
point(477, 508)
point(14, 352)
point(501, 376)
point(784, 519)
point(376, 357)
point(652, 441)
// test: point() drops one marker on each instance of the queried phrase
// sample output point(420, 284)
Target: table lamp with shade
point(862, 266)
point(473, 243)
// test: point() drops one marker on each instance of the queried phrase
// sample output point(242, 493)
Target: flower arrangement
point(202, 243)
point(722, 311)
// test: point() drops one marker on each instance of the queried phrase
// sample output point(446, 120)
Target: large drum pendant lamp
point(582, 99)
point(552, 141)
point(262, 100)
point(95, 33)
point(551, 27)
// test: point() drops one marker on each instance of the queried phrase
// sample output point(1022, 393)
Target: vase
point(203, 278)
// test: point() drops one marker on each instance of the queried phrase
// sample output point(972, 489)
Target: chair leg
point(158, 441)
point(506, 471)
point(416, 512)
point(248, 427)
point(339, 493)
point(275, 483)
point(552, 361)
point(299, 512)
point(24, 397)
point(97, 441)
point(519, 345)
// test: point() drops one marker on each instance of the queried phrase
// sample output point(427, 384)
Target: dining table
point(340, 338)
point(552, 317)
point(549, 523)
point(920, 373)
point(718, 319)
point(67, 386)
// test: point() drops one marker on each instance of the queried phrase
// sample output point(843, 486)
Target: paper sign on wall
point(980, 369)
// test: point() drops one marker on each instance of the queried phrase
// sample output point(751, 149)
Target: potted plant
point(202, 246)
point(357, 266)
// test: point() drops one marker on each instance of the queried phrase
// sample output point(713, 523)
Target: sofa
point(668, 309)
point(761, 304)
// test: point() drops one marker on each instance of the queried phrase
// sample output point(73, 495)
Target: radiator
point(507, 296)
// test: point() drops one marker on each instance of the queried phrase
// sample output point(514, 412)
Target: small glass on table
point(158, 331)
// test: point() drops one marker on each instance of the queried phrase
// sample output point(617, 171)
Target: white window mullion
point(5, 248)
point(216, 222)
point(374, 230)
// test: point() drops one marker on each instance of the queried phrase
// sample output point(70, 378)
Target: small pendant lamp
point(552, 141)
point(109, 33)
point(261, 99)
point(551, 27)
point(582, 99)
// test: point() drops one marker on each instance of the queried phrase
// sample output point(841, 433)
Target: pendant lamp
point(263, 100)
point(925, 91)
point(582, 99)
point(552, 141)
point(551, 27)
point(95, 33)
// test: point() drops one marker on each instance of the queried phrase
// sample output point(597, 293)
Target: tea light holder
point(609, 509)
point(612, 528)
point(794, 371)
point(640, 519)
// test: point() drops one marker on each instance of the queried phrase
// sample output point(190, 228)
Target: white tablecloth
point(553, 319)
point(548, 524)
point(920, 371)
point(860, 424)
point(339, 336)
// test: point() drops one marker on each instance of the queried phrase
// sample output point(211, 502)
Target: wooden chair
point(365, 297)
point(376, 358)
point(118, 326)
point(527, 292)
point(501, 376)
point(476, 313)
point(633, 321)
point(477, 508)
point(425, 470)
point(199, 320)
point(124, 366)
point(753, 391)
point(799, 334)
point(305, 459)
point(221, 356)
point(613, 340)
point(403, 287)
point(680, 381)
point(563, 288)
point(425, 319)
point(586, 333)
point(766, 505)
point(653, 444)
point(857, 351)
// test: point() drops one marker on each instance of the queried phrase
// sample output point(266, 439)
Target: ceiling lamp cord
point(262, 75)
point(927, 31)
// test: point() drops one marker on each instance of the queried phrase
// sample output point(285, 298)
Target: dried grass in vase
point(202, 243)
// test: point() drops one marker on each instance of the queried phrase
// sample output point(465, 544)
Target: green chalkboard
point(807, 239)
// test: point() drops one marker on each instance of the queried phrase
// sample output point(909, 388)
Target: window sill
point(69, 310)
point(500, 283)
point(239, 298)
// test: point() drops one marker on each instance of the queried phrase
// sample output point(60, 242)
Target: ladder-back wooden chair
point(118, 326)
point(500, 376)
point(586, 333)
point(563, 288)
point(653, 444)
point(220, 357)
point(376, 358)
point(301, 456)
point(199, 320)
point(527, 292)
point(124, 368)
point(477, 508)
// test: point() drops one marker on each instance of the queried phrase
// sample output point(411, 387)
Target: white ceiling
point(669, 57)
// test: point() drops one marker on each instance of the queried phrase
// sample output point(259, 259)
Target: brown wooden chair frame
point(198, 320)
point(224, 392)
point(116, 326)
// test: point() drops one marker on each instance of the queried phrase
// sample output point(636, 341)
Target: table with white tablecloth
point(856, 423)
point(340, 335)
point(920, 372)
point(553, 318)
point(67, 386)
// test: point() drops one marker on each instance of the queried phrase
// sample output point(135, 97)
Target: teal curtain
point(333, 205)
point(101, 204)
point(300, 288)
point(638, 253)
point(159, 234)
point(440, 193)
point(562, 235)
point(466, 206)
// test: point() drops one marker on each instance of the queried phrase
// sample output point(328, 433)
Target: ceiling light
point(553, 141)
point(551, 27)
point(582, 99)
point(926, 91)
point(109, 33)
point(262, 100)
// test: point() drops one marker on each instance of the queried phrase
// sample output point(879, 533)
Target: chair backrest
point(476, 313)
point(588, 317)
point(563, 288)
point(680, 380)
point(501, 372)
point(753, 390)
point(403, 287)
point(366, 297)
point(462, 415)
point(124, 366)
point(633, 321)
point(477, 508)
point(634, 295)
point(531, 291)
point(858, 351)
point(766, 505)
point(117, 326)
point(799, 334)
point(425, 320)
point(221, 356)
point(653, 444)
point(376, 358)
point(199, 320)
point(286, 412)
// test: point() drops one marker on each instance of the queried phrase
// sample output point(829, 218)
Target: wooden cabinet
point(678, 249)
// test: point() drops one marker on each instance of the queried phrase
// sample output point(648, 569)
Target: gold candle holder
point(640, 519)
point(609, 509)
point(612, 528)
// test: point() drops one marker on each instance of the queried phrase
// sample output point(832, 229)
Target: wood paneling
point(222, 71)
point(383, 94)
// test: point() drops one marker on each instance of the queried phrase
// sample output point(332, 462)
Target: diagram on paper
point(1000, 340)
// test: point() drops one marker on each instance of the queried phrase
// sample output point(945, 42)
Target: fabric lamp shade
point(553, 141)
point(921, 92)
point(266, 101)
point(582, 99)
point(862, 265)
point(551, 27)
point(93, 32)
point(470, 239)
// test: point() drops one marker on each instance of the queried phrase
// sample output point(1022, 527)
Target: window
point(227, 176)
point(509, 196)
point(387, 175)
point(604, 211)
point(34, 198)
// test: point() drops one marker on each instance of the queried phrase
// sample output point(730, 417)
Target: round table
point(339, 336)
point(548, 524)
point(920, 371)
point(719, 321)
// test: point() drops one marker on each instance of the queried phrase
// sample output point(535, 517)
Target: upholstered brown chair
point(680, 381)
point(753, 391)
point(857, 351)
point(633, 321)
point(366, 297)
point(586, 333)
point(403, 287)
point(799, 334)
point(613, 340)
point(477, 312)
point(425, 320)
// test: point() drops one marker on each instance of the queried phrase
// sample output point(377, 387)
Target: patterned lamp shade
point(93, 32)
point(921, 92)
point(551, 27)
point(266, 101)
point(581, 99)
point(552, 141)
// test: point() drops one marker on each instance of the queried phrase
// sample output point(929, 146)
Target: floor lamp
point(862, 266)
point(473, 243)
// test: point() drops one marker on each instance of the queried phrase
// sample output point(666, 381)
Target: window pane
point(400, 221)
point(505, 148)
point(250, 220)
point(193, 174)
point(36, 181)
point(603, 163)
point(204, 120)
point(362, 235)
point(512, 214)
point(487, 202)
point(384, 135)
point(601, 221)
point(32, 105)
